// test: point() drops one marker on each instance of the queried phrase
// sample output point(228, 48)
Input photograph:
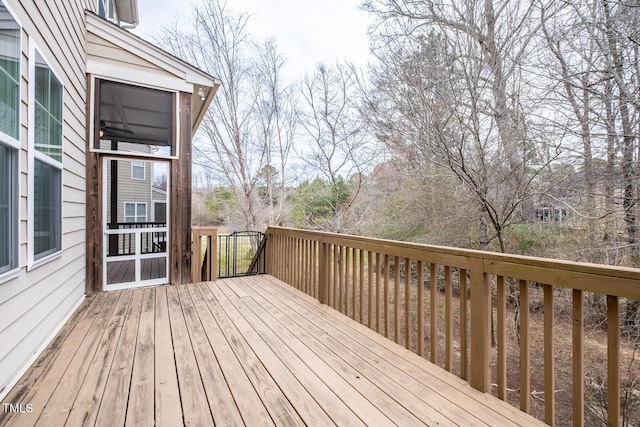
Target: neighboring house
point(78, 95)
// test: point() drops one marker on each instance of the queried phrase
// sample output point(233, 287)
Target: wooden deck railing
point(382, 284)
point(204, 243)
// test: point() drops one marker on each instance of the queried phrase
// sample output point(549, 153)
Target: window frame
point(13, 144)
point(36, 260)
point(135, 216)
point(109, 10)
point(144, 169)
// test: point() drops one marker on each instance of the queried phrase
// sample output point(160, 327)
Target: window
point(107, 10)
point(138, 170)
point(9, 74)
point(45, 177)
point(8, 208)
point(135, 212)
point(48, 109)
point(47, 221)
point(9, 139)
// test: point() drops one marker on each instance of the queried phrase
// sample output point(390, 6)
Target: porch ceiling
point(136, 114)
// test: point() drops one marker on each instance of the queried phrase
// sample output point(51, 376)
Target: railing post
point(323, 283)
point(480, 326)
point(212, 253)
point(196, 243)
point(208, 265)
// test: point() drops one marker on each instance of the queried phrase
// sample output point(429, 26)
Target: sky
point(306, 31)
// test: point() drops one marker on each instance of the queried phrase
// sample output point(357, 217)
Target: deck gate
point(241, 254)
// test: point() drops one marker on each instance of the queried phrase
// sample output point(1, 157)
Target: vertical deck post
point(323, 285)
point(480, 327)
point(204, 268)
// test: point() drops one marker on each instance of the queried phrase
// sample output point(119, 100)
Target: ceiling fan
point(113, 132)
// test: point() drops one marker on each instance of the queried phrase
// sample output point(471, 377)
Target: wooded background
point(508, 126)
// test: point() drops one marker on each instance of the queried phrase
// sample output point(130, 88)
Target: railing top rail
point(611, 280)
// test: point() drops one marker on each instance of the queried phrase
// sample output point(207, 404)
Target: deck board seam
point(345, 366)
point(275, 354)
point(484, 399)
point(30, 386)
point(230, 330)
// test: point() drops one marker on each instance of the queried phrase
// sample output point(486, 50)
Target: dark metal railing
point(241, 253)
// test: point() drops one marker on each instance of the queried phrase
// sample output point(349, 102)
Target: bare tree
point(243, 132)
point(339, 146)
point(277, 122)
point(459, 92)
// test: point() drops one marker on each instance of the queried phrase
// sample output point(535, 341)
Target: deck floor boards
point(246, 351)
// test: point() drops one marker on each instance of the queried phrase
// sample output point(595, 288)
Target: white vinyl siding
point(36, 299)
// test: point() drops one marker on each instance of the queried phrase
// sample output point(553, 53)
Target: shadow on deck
point(245, 351)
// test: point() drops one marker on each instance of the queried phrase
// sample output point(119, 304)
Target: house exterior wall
point(106, 52)
point(130, 190)
point(35, 304)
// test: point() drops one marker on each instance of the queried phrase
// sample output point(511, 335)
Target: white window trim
point(144, 170)
point(105, 4)
point(124, 211)
point(14, 143)
point(34, 154)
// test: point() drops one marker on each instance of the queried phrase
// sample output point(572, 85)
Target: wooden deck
point(248, 351)
point(124, 271)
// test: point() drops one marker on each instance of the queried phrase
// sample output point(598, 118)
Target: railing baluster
point(433, 291)
point(341, 279)
point(525, 352)
point(338, 278)
point(386, 297)
point(370, 289)
point(323, 279)
point(502, 338)
point(308, 277)
point(549, 357)
point(316, 269)
point(299, 261)
point(448, 290)
point(464, 351)
point(378, 292)
point(407, 303)
point(361, 276)
point(396, 299)
point(354, 275)
point(613, 360)
point(334, 284)
point(578, 358)
point(420, 286)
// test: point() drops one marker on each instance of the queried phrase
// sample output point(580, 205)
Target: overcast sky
point(306, 31)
